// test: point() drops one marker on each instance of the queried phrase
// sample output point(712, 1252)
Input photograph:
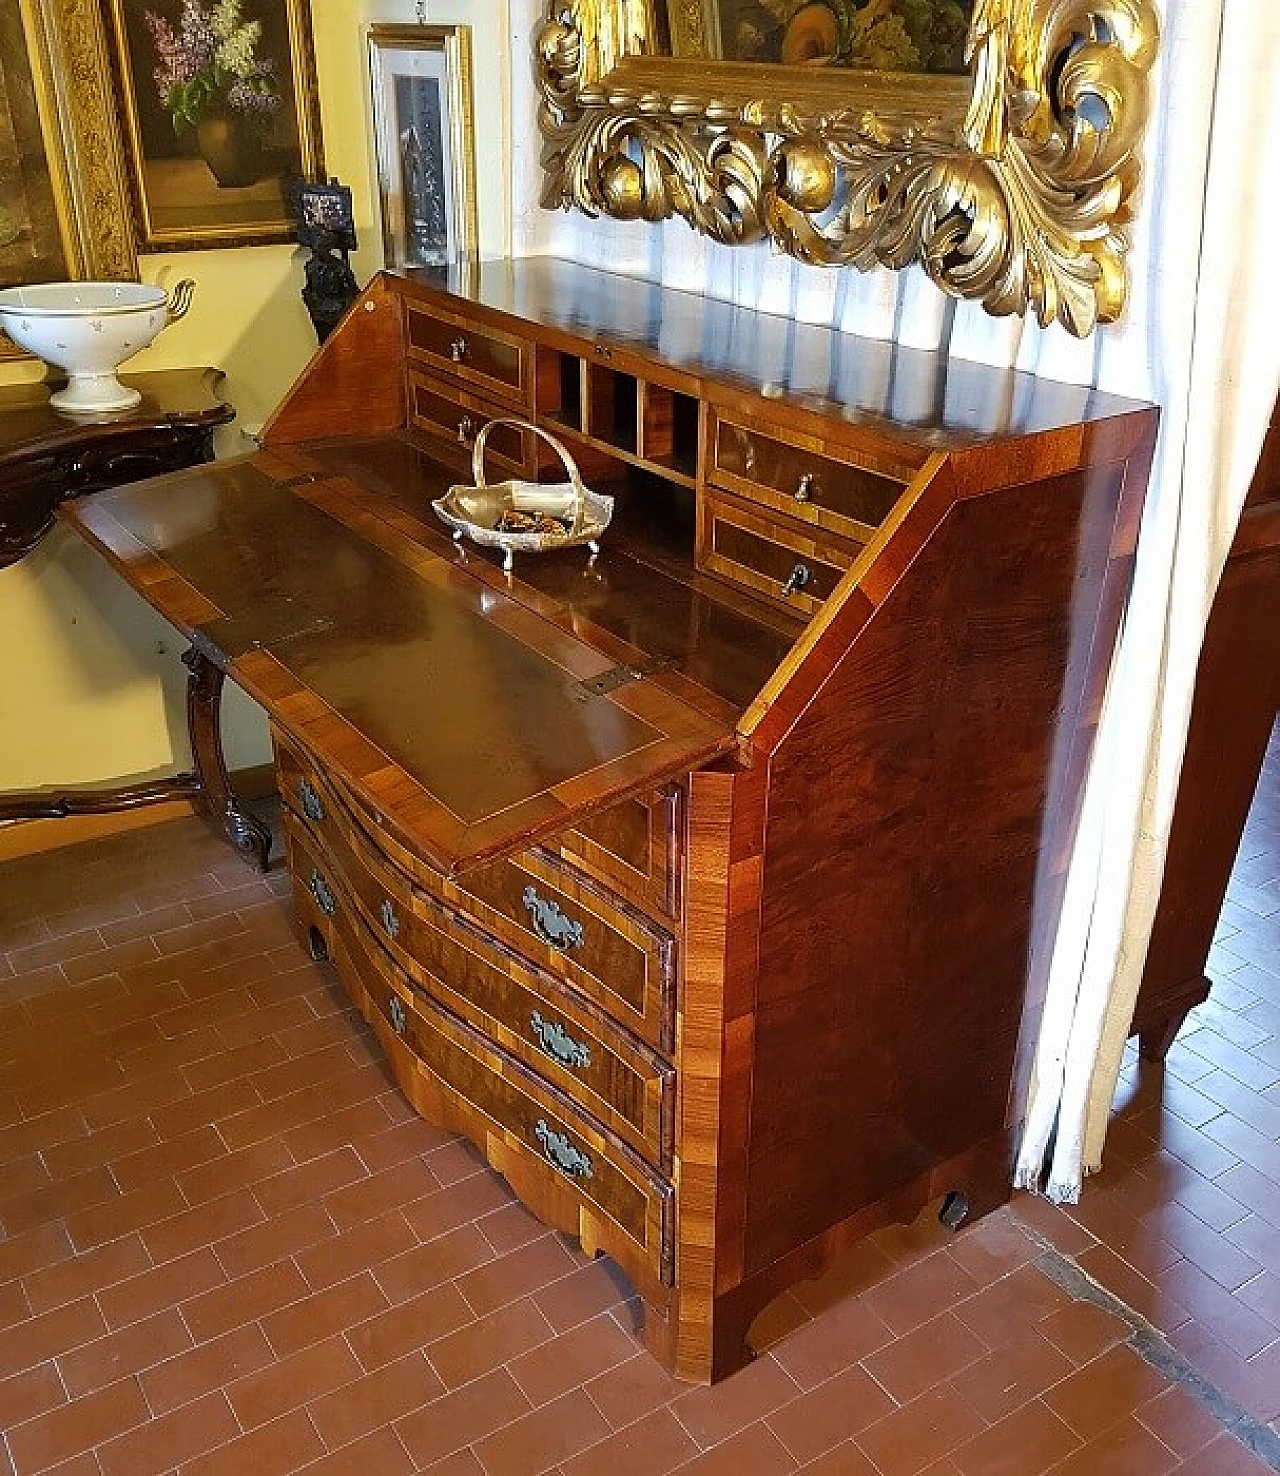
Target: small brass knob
point(466, 429)
point(458, 350)
point(804, 488)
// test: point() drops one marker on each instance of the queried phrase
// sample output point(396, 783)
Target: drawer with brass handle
point(811, 485)
point(794, 566)
point(497, 362)
point(584, 1178)
point(454, 418)
point(579, 1048)
point(557, 919)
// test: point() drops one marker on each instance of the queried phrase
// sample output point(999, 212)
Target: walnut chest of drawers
point(703, 884)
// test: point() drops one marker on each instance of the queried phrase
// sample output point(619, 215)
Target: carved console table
point(48, 459)
point(695, 882)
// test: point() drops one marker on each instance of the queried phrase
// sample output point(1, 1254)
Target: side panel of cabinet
point(909, 809)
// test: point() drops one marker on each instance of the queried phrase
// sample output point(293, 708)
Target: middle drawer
point(588, 1056)
point(557, 920)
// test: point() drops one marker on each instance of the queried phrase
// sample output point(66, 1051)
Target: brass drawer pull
point(390, 921)
point(556, 1041)
point(550, 924)
point(312, 806)
point(319, 889)
point(797, 579)
point(395, 1013)
point(804, 487)
point(562, 1154)
point(466, 429)
point(458, 350)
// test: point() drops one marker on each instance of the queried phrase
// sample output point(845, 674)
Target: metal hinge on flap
point(617, 676)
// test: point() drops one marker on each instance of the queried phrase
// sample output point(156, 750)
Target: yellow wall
point(90, 685)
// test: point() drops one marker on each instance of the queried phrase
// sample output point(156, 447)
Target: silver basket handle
point(570, 465)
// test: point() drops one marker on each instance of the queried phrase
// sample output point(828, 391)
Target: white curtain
point(1200, 337)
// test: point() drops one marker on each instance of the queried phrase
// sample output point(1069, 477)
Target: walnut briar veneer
point(702, 884)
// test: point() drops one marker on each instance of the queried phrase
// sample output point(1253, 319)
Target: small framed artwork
point(322, 215)
point(422, 117)
point(63, 194)
point(219, 108)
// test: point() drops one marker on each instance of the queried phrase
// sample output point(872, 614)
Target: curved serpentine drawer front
point(539, 908)
point(579, 1049)
point(457, 1076)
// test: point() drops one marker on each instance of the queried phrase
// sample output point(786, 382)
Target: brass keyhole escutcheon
point(797, 579)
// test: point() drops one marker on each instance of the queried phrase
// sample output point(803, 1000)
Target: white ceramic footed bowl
point(87, 329)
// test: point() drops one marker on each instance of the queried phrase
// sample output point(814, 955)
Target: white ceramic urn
point(88, 329)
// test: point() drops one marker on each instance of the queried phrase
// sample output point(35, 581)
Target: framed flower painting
point(219, 108)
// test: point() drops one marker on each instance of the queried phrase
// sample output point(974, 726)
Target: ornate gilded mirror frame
point(1011, 186)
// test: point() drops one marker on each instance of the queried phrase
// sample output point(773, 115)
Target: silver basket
point(474, 512)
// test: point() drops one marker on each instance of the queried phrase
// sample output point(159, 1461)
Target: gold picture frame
point(1012, 185)
point(64, 206)
point(424, 133)
point(214, 125)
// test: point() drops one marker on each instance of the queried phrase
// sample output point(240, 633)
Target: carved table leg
point(244, 830)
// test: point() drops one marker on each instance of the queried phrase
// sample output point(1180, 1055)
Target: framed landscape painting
point(219, 108)
point(422, 117)
point(63, 201)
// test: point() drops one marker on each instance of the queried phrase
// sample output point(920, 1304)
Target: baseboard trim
point(30, 837)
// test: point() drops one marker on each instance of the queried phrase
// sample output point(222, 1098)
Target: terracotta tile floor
point(228, 1247)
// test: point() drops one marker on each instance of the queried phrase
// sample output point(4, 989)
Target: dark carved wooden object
point(1237, 697)
point(47, 459)
point(245, 832)
point(705, 898)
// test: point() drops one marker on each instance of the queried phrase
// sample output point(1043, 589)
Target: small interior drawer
point(824, 490)
point(484, 356)
point(455, 418)
point(796, 567)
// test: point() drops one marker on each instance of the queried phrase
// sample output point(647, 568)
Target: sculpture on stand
point(323, 222)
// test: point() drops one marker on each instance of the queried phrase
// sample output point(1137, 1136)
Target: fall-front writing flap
point(471, 724)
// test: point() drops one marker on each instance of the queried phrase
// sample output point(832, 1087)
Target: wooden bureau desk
point(702, 884)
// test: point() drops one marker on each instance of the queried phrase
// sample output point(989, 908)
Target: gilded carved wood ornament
point(1012, 186)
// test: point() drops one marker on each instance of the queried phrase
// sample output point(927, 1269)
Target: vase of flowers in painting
point(217, 89)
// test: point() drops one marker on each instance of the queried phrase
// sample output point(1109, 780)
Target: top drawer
point(488, 357)
point(806, 484)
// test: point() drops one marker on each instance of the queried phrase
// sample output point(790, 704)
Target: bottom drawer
point(454, 418)
point(563, 1163)
point(797, 567)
